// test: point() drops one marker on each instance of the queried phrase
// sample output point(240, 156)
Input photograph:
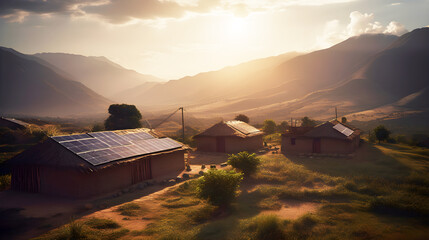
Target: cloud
point(123, 11)
point(360, 23)
point(395, 28)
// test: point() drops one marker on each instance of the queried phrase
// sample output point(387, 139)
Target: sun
point(236, 27)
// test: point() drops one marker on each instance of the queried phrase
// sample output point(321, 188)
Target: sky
point(171, 39)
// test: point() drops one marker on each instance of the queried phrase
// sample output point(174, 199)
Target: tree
point(219, 187)
point(282, 127)
point(245, 162)
point(98, 127)
point(308, 122)
point(123, 116)
point(269, 126)
point(344, 120)
point(381, 133)
point(242, 117)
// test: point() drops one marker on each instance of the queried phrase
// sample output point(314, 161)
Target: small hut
point(331, 137)
point(229, 137)
point(84, 165)
point(12, 123)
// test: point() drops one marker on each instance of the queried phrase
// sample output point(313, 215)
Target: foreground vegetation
point(381, 193)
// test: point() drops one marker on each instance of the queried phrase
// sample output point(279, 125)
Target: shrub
point(128, 209)
point(245, 162)
point(381, 133)
point(219, 186)
point(4, 182)
point(304, 223)
point(99, 223)
point(76, 231)
point(267, 227)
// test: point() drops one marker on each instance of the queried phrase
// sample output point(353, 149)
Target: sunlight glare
point(236, 27)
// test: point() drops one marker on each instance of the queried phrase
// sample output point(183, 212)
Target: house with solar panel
point(91, 164)
point(12, 123)
point(229, 137)
point(331, 137)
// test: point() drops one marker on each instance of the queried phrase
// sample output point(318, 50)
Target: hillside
point(98, 73)
point(397, 77)
point(303, 75)
point(211, 86)
point(31, 88)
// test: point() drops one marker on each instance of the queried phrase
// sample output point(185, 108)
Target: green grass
point(99, 223)
point(129, 209)
point(93, 229)
point(275, 138)
point(381, 193)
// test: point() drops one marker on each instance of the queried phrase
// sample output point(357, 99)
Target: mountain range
point(29, 87)
point(98, 73)
point(372, 72)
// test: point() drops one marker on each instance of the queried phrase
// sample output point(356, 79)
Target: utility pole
point(336, 115)
point(183, 125)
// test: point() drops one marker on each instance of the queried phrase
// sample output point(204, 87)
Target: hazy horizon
point(173, 39)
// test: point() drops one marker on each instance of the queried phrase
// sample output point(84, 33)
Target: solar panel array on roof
point(243, 127)
point(104, 147)
point(343, 129)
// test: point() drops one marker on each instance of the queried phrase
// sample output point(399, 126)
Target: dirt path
point(150, 204)
point(293, 209)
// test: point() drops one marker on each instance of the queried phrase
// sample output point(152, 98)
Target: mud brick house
point(331, 137)
point(229, 137)
point(84, 165)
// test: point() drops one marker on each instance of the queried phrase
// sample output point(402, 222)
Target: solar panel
point(343, 129)
point(137, 136)
point(111, 138)
point(104, 147)
point(243, 127)
point(70, 137)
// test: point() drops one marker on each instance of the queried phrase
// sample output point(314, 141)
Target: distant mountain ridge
point(98, 73)
point(207, 87)
point(360, 74)
point(29, 87)
point(397, 76)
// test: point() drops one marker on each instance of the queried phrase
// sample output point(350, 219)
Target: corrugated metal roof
point(243, 127)
point(230, 128)
point(333, 129)
point(16, 121)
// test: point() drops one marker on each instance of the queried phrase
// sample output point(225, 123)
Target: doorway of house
point(317, 145)
point(220, 144)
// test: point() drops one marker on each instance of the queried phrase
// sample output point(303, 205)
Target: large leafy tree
point(308, 122)
point(242, 117)
point(381, 133)
point(123, 116)
point(282, 127)
point(269, 126)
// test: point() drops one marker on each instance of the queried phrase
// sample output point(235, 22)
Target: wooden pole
point(183, 126)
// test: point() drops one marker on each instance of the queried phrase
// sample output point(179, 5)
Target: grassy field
point(380, 193)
